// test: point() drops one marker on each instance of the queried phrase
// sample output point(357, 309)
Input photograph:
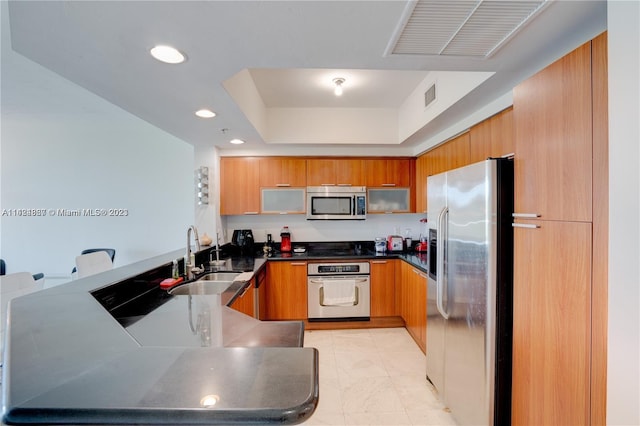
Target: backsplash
point(326, 230)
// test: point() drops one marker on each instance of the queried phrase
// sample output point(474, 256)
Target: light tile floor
point(373, 377)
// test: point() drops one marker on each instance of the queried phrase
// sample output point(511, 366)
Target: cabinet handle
point(525, 225)
point(526, 215)
point(298, 264)
point(388, 212)
point(250, 213)
point(344, 184)
point(388, 184)
point(327, 184)
point(280, 185)
point(379, 262)
point(283, 213)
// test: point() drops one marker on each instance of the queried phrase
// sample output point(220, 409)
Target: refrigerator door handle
point(441, 232)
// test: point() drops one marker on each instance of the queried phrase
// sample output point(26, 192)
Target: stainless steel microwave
point(336, 202)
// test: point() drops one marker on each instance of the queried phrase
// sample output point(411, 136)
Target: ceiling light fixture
point(236, 141)
point(338, 89)
point(167, 54)
point(205, 113)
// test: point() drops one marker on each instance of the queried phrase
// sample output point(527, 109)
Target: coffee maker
point(243, 238)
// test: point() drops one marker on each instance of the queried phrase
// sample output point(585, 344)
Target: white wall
point(623, 375)
point(65, 148)
point(207, 216)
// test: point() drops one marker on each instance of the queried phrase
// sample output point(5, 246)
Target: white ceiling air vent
point(430, 95)
point(474, 28)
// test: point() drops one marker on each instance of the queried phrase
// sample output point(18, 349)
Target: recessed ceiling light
point(338, 83)
point(205, 113)
point(236, 141)
point(167, 54)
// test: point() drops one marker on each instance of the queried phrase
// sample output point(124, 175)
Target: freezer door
point(470, 264)
point(437, 201)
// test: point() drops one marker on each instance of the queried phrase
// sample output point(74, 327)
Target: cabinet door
point(338, 171)
point(286, 292)
point(383, 287)
point(551, 323)
point(349, 172)
point(239, 185)
point(423, 170)
point(282, 200)
point(283, 172)
point(261, 292)
point(245, 302)
point(387, 172)
point(388, 200)
point(321, 172)
point(493, 137)
point(552, 118)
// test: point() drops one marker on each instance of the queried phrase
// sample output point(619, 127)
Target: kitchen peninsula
point(70, 360)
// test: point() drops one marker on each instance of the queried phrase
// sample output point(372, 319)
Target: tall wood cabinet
point(556, 177)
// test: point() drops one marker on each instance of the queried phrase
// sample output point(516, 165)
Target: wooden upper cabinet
point(553, 135)
point(388, 172)
point(283, 172)
point(493, 137)
point(239, 185)
point(339, 171)
point(422, 171)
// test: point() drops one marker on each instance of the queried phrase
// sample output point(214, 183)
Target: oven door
point(332, 298)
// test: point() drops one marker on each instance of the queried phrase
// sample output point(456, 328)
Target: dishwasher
point(338, 291)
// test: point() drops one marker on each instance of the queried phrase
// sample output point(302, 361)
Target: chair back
point(12, 286)
point(93, 263)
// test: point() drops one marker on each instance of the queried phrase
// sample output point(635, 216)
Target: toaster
point(394, 243)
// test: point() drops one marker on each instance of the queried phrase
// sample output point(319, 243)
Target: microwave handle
point(353, 206)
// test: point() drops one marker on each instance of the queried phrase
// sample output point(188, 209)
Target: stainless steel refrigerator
point(470, 290)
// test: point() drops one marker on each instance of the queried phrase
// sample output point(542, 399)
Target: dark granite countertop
point(67, 360)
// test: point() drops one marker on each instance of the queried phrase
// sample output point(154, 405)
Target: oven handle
point(355, 303)
point(320, 281)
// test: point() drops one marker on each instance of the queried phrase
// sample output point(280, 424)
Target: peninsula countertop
point(67, 360)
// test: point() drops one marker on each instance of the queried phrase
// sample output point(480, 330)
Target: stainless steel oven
point(338, 291)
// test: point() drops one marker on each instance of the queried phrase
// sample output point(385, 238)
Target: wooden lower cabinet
point(245, 302)
point(413, 303)
point(285, 293)
point(552, 323)
point(383, 287)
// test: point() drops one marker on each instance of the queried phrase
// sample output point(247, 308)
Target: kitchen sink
point(212, 283)
point(219, 276)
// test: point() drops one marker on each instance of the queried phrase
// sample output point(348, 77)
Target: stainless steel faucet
point(191, 269)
